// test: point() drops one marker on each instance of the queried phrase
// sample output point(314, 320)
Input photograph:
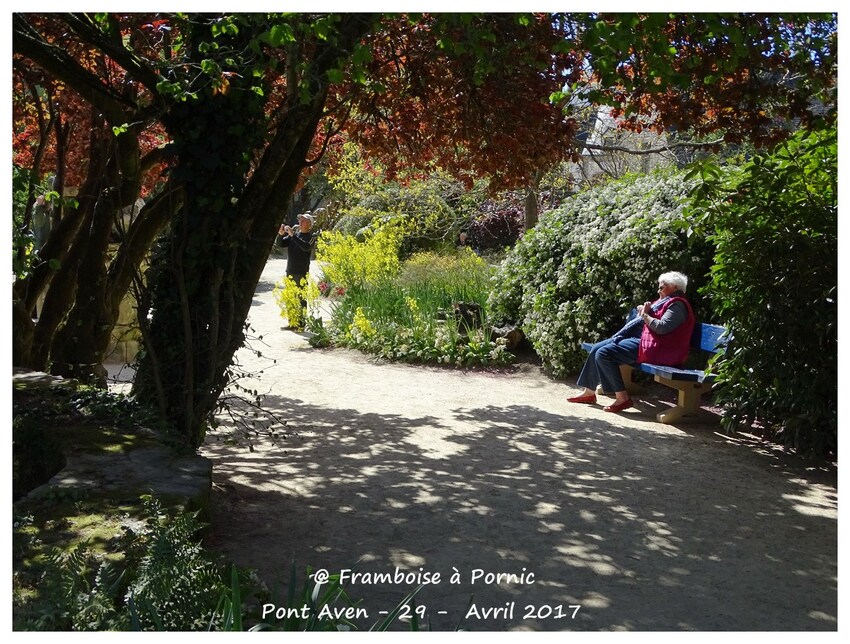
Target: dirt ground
point(493, 489)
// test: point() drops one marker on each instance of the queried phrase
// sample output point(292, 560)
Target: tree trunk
point(205, 269)
point(23, 335)
point(532, 208)
point(56, 276)
point(202, 280)
point(80, 343)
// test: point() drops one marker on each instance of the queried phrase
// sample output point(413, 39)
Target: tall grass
point(409, 316)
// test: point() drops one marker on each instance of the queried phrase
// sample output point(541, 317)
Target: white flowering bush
point(576, 275)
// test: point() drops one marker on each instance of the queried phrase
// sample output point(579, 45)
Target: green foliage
point(84, 590)
point(153, 574)
point(317, 607)
point(774, 283)
point(426, 204)
point(462, 276)
point(352, 179)
point(156, 576)
point(435, 207)
point(411, 317)
point(176, 584)
point(20, 185)
point(23, 237)
point(319, 336)
point(575, 276)
point(765, 45)
point(115, 409)
point(88, 405)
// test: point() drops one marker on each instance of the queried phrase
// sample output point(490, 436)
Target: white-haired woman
point(660, 334)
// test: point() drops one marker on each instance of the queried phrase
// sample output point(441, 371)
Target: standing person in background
point(299, 244)
point(40, 221)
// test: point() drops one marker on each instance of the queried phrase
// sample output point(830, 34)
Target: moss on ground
point(52, 422)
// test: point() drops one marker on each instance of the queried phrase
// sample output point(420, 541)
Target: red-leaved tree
point(245, 103)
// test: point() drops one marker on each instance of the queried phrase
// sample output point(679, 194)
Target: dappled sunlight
point(813, 502)
point(824, 617)
point(435, 443)
point(659, 539)
point(502, 489)
point(405, 559)
point(580, 554)
point(545, 509)
point(396, 466)
point(428, 497)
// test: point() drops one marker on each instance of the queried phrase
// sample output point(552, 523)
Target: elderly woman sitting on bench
point(660, 334)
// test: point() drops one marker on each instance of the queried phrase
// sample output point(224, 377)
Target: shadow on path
point(646, 530)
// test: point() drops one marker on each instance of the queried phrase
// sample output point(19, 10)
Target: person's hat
point(307, 216)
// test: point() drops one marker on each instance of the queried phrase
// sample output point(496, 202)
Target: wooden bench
point(690, 383)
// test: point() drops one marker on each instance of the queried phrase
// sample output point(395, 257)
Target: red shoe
point(584, 398)
point(620, 406)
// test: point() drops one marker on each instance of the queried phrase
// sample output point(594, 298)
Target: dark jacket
point(299, 249)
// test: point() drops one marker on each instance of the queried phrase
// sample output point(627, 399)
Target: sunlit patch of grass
point(414, 316)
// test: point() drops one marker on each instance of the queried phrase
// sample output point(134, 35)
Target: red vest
point(672, 348)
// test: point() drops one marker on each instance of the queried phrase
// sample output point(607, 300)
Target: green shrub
point(177, 584)
point(366, 199)
point(157, 576)
point(575, 276)
point(460, 276)
point(411, 316)
point(775, 284)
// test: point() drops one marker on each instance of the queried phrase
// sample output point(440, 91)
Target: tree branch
point(27, 42)
point(83, 26)
point(666, 148)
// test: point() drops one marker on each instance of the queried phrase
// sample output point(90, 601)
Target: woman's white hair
point(679, 280)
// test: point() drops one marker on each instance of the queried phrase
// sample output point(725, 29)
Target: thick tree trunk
point(60, 279)
point(55, 277)
point(202, 280)
point(24, 331)
point(206, 268)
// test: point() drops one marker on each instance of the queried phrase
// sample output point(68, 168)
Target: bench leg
point(631, 387)
point(687, 406)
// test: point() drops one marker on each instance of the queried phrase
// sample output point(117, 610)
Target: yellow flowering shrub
point(289, 297)
point(350, 263)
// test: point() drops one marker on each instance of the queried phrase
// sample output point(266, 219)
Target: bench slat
point(672, 373)
point(709, 337)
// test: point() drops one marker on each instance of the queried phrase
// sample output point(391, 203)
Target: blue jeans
point(603, 363)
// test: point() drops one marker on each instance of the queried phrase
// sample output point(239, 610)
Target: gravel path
point(538, 505)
